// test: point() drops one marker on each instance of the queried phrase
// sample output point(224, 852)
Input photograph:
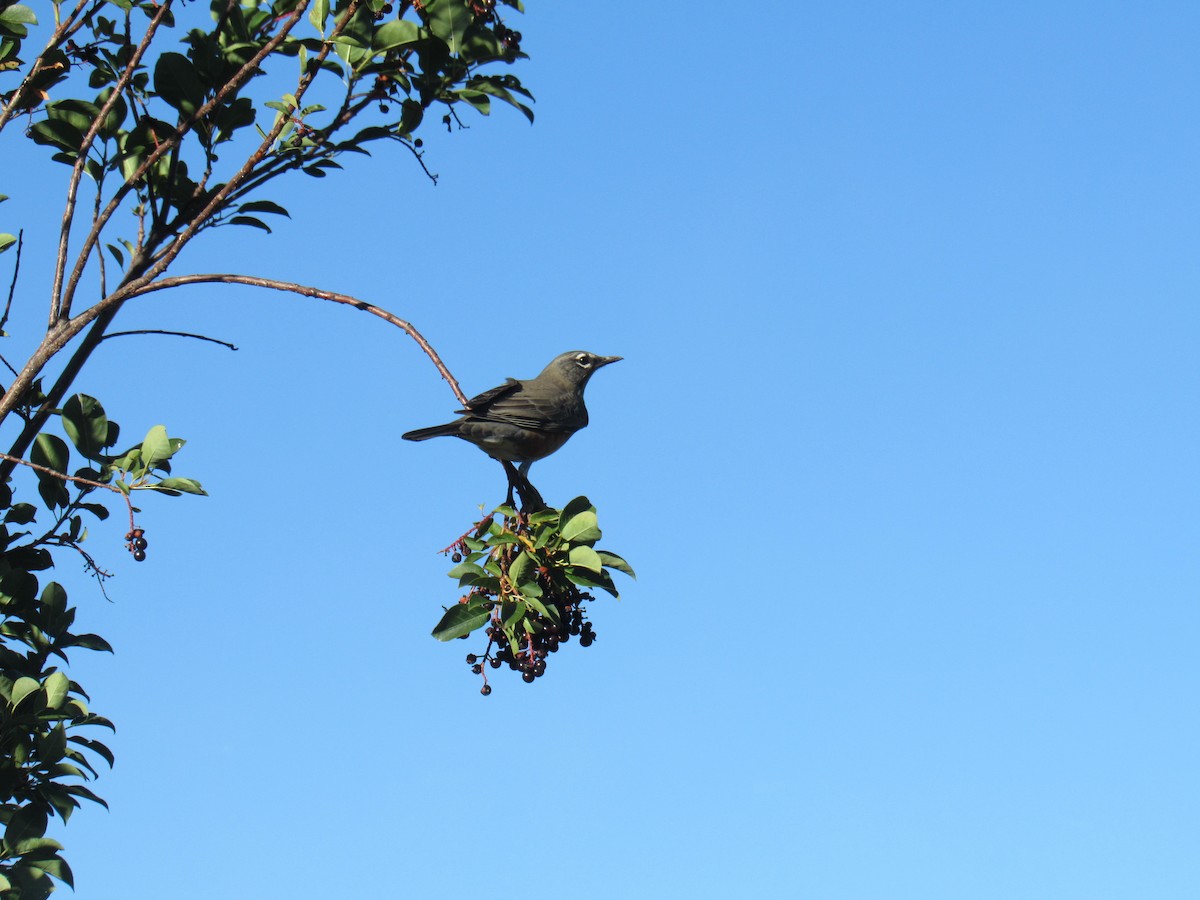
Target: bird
point(522, 421)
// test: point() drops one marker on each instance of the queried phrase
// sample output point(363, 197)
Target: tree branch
point(234, 83)
point(316, 293)
point(13, 285)
point(185, 334)
point(60, 269)
point(219, 198)
point(64, 477)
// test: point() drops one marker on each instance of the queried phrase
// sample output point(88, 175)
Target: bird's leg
point(513, 477)
point(531, 500)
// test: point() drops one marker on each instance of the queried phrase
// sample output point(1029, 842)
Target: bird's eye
point(584, 360)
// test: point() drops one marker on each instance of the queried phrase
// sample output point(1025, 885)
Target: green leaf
point(459, 620)
point(41, 846)
point(56, 866)
point(51, 451)
point(546, 612)
point(612, 561)
point(572, 509)
point(178, 83)
point(96, 747)
point(582, 528)
point(513, 614)
point(396, 33)
point(466, 568)
point(520, 568)
point(477, 99)
point(586, 578)
point(6, 241)
point(357, 33)
point(21, 514)
point(57, 685)
point(28, 823)
point(57, 133)
point(22, 688)
point(156, 447)
point(91, 642)
point(449, 20)
point(16, 15)
point(86, 425)
point(250, 220)
point(318, 14)
point(183, 485)
point(79, 114)
point(264, 206)
point(585, 556)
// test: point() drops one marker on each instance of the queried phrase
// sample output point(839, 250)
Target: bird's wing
point(532, 408)
point(478, 405)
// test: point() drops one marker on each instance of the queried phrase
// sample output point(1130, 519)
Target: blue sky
point(903, 449)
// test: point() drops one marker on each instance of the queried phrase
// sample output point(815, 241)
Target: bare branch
point(184, 334)
point(13, 286)
point(316, 293)
point(63, 477)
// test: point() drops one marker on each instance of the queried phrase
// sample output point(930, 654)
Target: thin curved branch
point(184, 334)
point(316, 293)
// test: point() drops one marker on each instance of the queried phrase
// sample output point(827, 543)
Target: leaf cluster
point(525, 572)
point(153, 122)
point(43, 756)
point(46, 757)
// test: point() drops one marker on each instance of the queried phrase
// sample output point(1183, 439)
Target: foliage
point(529, 575)
point(44, 757)
point(171, 119)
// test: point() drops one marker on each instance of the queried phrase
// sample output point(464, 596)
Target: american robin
point(524, 421)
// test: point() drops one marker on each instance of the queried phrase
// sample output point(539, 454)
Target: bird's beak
point(605, 360)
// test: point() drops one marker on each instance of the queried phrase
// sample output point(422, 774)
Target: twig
point(65, 477)
point(316, 293)
point(9, 365)
point(12, 288)
point(186, 334)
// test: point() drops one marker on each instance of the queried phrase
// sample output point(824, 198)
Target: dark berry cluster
point(534, 651)
point(135, 543)
point(509, 38)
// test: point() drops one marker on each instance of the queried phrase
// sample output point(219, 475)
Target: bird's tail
point(424, 434)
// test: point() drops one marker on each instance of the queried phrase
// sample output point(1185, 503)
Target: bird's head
point(577, 366)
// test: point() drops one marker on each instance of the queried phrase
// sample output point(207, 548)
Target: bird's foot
point(531, 500)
